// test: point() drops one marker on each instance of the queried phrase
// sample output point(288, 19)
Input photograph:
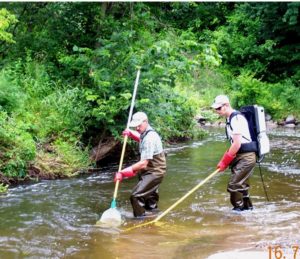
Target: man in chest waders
point(151, 168)
point(239, 156)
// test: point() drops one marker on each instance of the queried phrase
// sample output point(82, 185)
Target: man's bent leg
point(147, 185)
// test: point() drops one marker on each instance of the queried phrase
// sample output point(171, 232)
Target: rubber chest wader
point(241, 170)
point(145, 194)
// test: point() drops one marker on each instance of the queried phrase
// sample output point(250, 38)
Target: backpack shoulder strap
point(228, 122)
point(235, 113)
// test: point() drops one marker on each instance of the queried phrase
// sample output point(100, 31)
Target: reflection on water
point(56, 219)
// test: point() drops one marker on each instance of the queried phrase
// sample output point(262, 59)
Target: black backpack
point(255, 116)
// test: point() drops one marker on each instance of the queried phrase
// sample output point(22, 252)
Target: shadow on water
point(56, 219)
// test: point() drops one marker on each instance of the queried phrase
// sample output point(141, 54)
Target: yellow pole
point(120, 166)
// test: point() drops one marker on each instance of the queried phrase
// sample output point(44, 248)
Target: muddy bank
point(52, 167)
point(34, 174)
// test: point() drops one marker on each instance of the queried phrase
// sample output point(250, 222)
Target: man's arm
point(236, 144)
point(140, 165)
point(131, 170)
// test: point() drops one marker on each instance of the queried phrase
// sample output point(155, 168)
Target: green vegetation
point(68, 69)
point(3, 188)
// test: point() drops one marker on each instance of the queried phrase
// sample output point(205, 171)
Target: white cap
point(219, 101)
point(137, 119)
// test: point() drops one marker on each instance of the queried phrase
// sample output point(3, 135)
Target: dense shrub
point(17, 147)
point(12, 96)
point(279, 99)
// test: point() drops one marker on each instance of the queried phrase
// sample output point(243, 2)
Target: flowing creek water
point(56, 219)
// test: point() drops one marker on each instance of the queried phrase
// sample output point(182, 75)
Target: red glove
point(225, 161)
point(118, 177)
point(126, 172)
point(131, 134)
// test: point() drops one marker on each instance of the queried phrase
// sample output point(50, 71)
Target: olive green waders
point(238, 185)
point(145, 194)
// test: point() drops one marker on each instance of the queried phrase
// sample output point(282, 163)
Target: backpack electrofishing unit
point(255, 116)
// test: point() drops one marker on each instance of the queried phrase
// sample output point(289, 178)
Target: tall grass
point(35, 112)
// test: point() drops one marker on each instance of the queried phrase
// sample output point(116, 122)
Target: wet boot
point(247, 203)
point(138, 205)
point(236, 199)
point(151, 201)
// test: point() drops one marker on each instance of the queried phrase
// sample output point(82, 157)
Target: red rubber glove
point(131, 134)
point(225, 161)
point(126, 172)
point(118, 177)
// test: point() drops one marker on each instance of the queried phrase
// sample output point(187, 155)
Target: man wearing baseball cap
point(240, 156)
point(150, 169)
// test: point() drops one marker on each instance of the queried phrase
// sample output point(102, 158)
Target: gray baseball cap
point(137, 119)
